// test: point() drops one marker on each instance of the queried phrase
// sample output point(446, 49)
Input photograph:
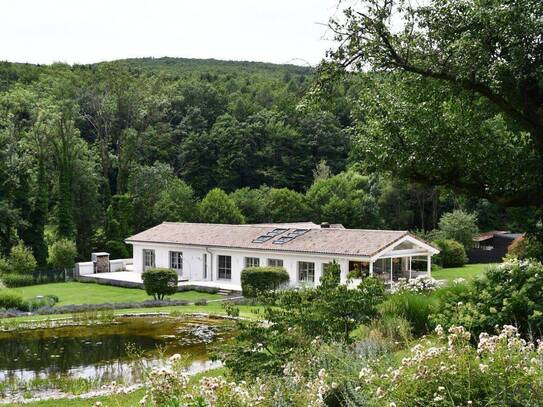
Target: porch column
point(429, 265)
point(410, 268)
point(371, 268)
point(391, 273)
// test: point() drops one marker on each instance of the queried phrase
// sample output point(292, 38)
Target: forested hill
point(94, 153)
point(211, 66)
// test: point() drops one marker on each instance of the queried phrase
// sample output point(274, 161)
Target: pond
point(107, 352)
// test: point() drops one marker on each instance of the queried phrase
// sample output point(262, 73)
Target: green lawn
point(468, 272)
point(90, 293)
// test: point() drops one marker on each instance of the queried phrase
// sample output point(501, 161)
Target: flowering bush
point(504, 370)
point(419, 285)
point(509, 293)
point(169, 386)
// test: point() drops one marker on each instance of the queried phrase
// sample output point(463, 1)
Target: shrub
point(526, 248)
point(52, 299)
point(11, 300)
point(419, 285)
point(159, 282)
point(509, 293)
point(502, 371)
point(415, 308)
point(62, 254)
point(17, 280)
point(21, 260)
point(460, 226)
point(258, 280)
point(452, 253)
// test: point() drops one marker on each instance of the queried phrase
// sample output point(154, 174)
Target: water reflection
point(100, 351)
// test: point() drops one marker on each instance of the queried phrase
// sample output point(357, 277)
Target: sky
point(76, 31)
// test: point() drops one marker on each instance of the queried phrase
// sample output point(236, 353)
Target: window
point(275, 262)
point(176, 261)
point(148, 259)
point(225, 267)
point(306, 272)
point(204, 261)
point(252, 262)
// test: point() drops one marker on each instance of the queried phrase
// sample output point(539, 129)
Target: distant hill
point(212, 66)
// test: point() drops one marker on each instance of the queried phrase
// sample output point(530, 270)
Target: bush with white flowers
point(419, 285)
point(503, 370)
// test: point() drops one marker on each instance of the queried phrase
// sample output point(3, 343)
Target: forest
point(94, 153)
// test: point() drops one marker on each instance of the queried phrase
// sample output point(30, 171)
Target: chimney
point(325, 225)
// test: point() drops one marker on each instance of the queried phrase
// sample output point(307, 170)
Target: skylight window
point(269, 235)
point(290, 236)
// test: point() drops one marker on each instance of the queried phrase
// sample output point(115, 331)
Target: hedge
point(452, 253)
point(159, 282)
point(258, 280)
point(12, 300)
point(13, 280)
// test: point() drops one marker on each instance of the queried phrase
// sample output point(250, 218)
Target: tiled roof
point(354, 242)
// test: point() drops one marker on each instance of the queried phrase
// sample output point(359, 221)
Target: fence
point(49, 275)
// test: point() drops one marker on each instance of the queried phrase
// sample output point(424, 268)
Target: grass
point(90, 293)
point(116, 400)
point(468, 272)
point(245, 311)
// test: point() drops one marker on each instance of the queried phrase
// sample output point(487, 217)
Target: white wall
point(193, 266)
point(87, 267)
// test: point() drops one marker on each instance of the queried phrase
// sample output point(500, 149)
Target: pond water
point(106, 351)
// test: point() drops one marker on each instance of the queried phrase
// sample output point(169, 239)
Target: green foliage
point(510, 293)
point(415, 308)
point(460, 226)
point(160, 282)
point(62, 254)
point(329, 311)
point(452, 253)
point(331, 276)
point(11, 300)
point(21, 260)
point(217, 207)
point(526, 247)
point(285, 205)
point(256, 281)
point(434, 113)
point(13, 280)
point(345, 198)
point(117, 249)
point(455, 373)
point(176, 203)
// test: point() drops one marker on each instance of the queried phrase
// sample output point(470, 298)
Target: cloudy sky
point(76, 31)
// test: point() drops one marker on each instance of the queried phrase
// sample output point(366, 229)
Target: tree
point(218, 207)
point(21, 260)
point(467, 76)
point(460, 226)
point(146, 183)
point(176, 203)
point(344, 198)
point(62, 254)
point(285, 205)
point(159, 282)
point(251, 203)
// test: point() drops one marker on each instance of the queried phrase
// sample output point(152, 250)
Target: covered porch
point(406, 259)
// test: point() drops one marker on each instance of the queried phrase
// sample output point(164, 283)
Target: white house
point(207, 253)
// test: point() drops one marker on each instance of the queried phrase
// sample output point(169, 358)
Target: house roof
point(488, 235)
point(337, 241)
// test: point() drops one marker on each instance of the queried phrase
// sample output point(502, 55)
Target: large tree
point(460, 98)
